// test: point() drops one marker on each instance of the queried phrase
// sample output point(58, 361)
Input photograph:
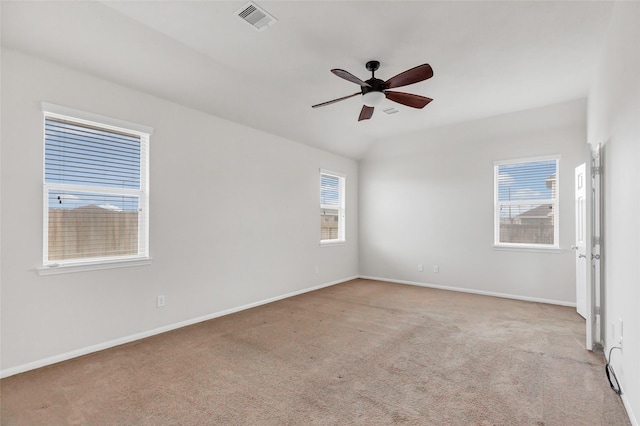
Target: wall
point(614, 122)
point(234, 221)
point(428, 198)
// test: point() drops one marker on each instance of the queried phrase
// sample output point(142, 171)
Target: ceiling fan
point(374, 90)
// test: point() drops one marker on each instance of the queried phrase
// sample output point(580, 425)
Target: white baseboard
point(627, 406)
point(473, 291)
point(126, 339)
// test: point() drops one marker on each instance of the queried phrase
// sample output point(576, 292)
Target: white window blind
point(96, 191)
point(526, 203)
point(332, 207)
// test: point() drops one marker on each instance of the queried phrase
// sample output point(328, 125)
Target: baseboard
point(473, 291)
point(627, 406)
point(131, 338)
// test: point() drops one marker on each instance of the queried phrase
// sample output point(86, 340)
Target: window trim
point(93, 265)
point(108, 123)
point(342, 233)
point(556, 207)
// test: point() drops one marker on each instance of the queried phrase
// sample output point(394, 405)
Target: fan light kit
point(373, 99)
point(374, 91)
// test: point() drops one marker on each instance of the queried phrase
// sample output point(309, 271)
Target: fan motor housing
point(376, 84)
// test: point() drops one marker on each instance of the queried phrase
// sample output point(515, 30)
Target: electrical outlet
point(317, 269)
point(436, 269)
point(420, 267)
point(160, 301)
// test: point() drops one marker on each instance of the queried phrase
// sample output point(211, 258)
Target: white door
point(580, 245)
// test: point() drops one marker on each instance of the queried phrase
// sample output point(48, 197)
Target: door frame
point(593, 250)
point(590, 311)
point(595, 270)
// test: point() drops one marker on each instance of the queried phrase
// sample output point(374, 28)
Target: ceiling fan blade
point(350, 77)
point(365, 113)
point(335, 100)
point(414, 75)
point(408, 99)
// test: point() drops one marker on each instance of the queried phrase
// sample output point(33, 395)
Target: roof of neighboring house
point(544, 210)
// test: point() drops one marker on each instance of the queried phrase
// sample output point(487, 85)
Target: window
point(332, 217)
point(95, 189)
point(526, 203)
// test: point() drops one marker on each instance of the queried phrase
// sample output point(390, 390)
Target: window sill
point(533, 249)
point(92, 266)
point(333, 243)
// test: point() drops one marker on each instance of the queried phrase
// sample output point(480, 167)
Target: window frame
point(57, 112)
point(555, 202)
point(341, 207)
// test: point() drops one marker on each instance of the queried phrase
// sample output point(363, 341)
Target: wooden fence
point(328, 227)
point(91, 231)
point(526, 233)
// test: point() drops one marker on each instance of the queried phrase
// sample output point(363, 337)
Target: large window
point(526, 203)
point(332, 216)
point(95, 190)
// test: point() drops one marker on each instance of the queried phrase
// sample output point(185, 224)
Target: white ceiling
point(488, 57)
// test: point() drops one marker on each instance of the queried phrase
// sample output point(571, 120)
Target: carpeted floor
point(359, 353)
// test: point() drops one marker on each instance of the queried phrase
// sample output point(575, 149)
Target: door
point(580, 245)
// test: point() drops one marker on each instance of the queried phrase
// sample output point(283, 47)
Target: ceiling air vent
point(253, 14)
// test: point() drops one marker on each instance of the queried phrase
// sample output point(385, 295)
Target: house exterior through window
point(96, 194)
point(332, 207)
point(526, 203)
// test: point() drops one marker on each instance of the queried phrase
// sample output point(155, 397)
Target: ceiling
point(488, 57)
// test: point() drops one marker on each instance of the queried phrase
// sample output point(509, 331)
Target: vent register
point(256, 16)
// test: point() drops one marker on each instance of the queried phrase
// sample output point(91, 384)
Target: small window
point(95, 191)
point(526, 203)
point(332, 215)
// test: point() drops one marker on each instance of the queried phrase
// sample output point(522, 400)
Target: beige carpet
point(359, 353)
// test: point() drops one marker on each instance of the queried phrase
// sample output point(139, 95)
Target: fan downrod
point(375, 84)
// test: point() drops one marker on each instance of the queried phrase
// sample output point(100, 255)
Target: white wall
point(234, 220)
point(428, 198)
point(614, 121)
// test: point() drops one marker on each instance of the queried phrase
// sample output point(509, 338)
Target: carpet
point(359, 353)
